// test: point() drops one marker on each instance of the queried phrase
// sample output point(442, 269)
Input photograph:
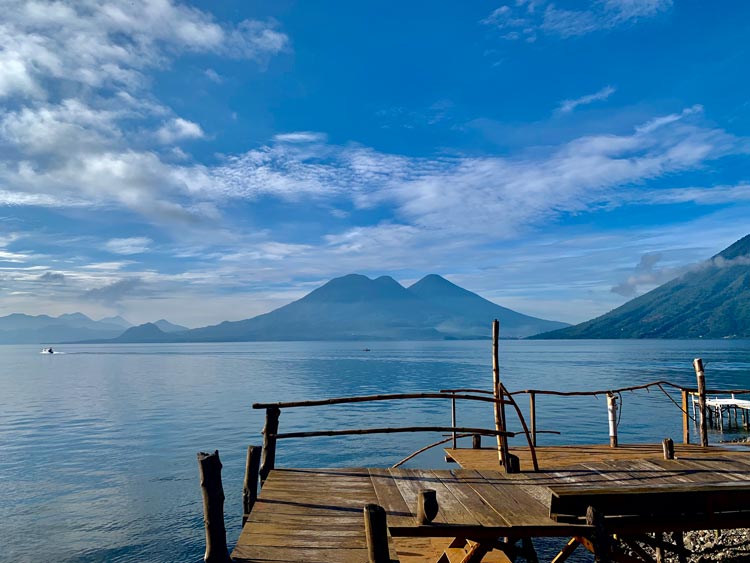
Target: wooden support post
point(659, 550)
point(453, 418)
point(636, 548)
point(376, 533)
point(427, 505)
point(685, 418)
point(209, 467)
point(532, 416)
point(476, 441)
point(612, 415)
point(679, 541)
point(269, 442)
point(566, 551)
point(527, 547)
point(599, 538)
point(668, 448)
point(502, 441)
point(701, 377)
point(250, 485)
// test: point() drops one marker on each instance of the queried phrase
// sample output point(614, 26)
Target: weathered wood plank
point(248, 554)
point(389, 497)
point(447, 501)
point(516, 507)
point(479, 508)
point(409, 483)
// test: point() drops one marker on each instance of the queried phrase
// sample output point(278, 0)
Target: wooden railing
point(699, 391)
point(273, 411)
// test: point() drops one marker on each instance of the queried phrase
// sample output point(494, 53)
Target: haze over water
point(98, 444)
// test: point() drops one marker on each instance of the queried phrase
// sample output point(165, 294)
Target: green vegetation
point(710, 301)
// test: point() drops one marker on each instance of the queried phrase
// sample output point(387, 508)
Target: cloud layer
point(528, 19)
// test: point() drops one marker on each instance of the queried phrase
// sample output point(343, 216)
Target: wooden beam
point(358, 431)
point(566, 551)
point(371, 398)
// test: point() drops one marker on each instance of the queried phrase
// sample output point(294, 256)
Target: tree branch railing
point(271, 432)
point(273, 411)
point(661, 384)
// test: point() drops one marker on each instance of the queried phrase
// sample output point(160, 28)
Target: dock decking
point(315, 515)
point(555, 457)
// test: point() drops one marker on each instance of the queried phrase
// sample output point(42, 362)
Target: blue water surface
point(98, 444)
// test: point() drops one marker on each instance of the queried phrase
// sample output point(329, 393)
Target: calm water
point(97, 445)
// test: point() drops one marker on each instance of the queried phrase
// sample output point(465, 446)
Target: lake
point(98, 444)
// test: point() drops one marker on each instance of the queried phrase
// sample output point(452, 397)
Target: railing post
point(532, 416)
point(453, 417)
point(476, 441)
point(685, 418)
point(250, 485)
point(668, 448)
point(376, 534)
point(269, 442)
point(502, 441)
point(701, 377)
point(612, 413)
point(209, 467)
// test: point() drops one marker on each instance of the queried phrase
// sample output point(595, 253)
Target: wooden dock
point(617, 501)
point(315, 515)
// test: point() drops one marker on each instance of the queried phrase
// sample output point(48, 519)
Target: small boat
point(48, 350)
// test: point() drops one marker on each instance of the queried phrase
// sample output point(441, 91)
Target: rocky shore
point(727, 546)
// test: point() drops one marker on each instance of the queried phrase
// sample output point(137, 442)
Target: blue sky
point(211, 161)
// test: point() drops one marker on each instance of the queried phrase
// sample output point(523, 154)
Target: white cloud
point(567, 106)
point(99, 43)
point(76, 114)
point(213, 76)
point(467, 195)
point(462, 194)
point(300, 137)
point(179, 129)
point(526, 19)
point(127, 246)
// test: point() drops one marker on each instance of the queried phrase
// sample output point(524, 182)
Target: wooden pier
point(618, 501)
point(315, 515)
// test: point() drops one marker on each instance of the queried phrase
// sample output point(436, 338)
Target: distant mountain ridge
point(18, 328)
point(355, 307)
point(710, 301)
